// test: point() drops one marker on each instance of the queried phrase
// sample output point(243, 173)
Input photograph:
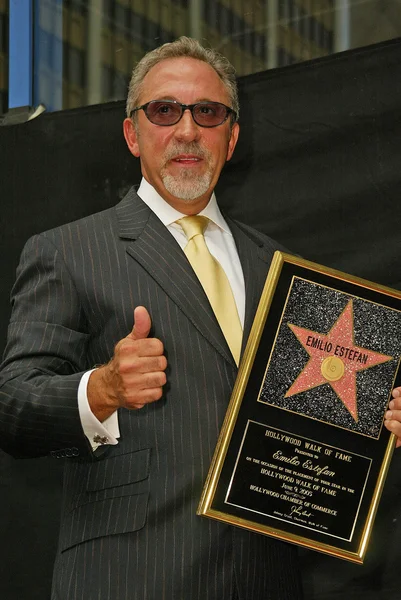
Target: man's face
point(182, 161)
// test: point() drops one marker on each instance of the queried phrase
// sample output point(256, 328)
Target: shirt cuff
point(98, 434)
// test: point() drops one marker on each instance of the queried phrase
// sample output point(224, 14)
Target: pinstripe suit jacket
point(129, 528)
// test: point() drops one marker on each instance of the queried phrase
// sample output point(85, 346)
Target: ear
point(131, 137)
point(233, 140)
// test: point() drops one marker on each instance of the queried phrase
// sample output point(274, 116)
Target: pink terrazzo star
point(337, 349)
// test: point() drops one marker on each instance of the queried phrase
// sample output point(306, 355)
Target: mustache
point(190, 148)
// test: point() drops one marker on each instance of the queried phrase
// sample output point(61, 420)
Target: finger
point(145, 397)
point(393, 415)
point(142, 324)
point(144, 364)
point(395, 404)
point(130, 349)
point(393, 426)
point(136, 383)
point(396, 392)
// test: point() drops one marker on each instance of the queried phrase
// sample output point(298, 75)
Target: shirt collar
point(168, 215)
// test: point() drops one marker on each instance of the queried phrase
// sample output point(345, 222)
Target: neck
point(185, 207)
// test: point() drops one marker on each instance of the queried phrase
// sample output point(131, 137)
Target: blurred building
point(103, 39)
point(84, 50)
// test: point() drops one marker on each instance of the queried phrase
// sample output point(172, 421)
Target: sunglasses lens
point(163, 113)
point(167, 112)
point(210, 114)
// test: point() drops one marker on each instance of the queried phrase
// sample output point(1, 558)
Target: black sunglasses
point(169, 112)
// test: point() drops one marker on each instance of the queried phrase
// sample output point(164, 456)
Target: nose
point(186, 129)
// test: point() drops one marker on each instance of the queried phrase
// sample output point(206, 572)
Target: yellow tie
point(214, 281)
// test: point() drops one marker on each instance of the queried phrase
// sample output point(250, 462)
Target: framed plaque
point(303, 453)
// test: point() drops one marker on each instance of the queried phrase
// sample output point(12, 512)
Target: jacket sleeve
point(44, 359)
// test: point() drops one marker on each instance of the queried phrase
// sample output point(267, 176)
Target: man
point(143, 425)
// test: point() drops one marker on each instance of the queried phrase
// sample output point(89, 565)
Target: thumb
point(142, 324)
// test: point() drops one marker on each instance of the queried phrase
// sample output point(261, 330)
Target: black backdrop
point(317, 167)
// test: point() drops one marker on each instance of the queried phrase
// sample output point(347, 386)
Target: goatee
point(187, 186)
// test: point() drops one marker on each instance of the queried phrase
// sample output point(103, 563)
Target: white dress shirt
point(221, 245)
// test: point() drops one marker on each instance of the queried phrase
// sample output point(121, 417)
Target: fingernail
point(389, 414)
point(396, 393)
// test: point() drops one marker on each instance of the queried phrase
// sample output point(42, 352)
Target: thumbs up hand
point(134, 376)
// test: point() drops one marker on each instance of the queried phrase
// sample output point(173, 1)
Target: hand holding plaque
point(393, 415)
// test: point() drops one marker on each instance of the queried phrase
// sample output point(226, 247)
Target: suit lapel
point(159, 254)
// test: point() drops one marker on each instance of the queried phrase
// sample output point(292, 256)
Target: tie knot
point(193, 225)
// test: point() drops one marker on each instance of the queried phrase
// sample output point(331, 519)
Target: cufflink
point(100, 439)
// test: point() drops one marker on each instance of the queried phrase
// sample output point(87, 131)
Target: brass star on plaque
point(334, 359)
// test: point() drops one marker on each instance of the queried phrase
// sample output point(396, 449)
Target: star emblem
point(334, 359)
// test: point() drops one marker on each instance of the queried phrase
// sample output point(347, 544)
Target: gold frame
point(205, 507)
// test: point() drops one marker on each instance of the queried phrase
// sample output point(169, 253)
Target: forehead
point(184, 79)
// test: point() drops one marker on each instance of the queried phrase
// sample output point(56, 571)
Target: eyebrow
point(175, 99)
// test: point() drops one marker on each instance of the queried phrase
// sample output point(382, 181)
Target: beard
point(187, 186)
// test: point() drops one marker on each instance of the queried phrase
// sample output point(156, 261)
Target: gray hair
point(183, 47)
